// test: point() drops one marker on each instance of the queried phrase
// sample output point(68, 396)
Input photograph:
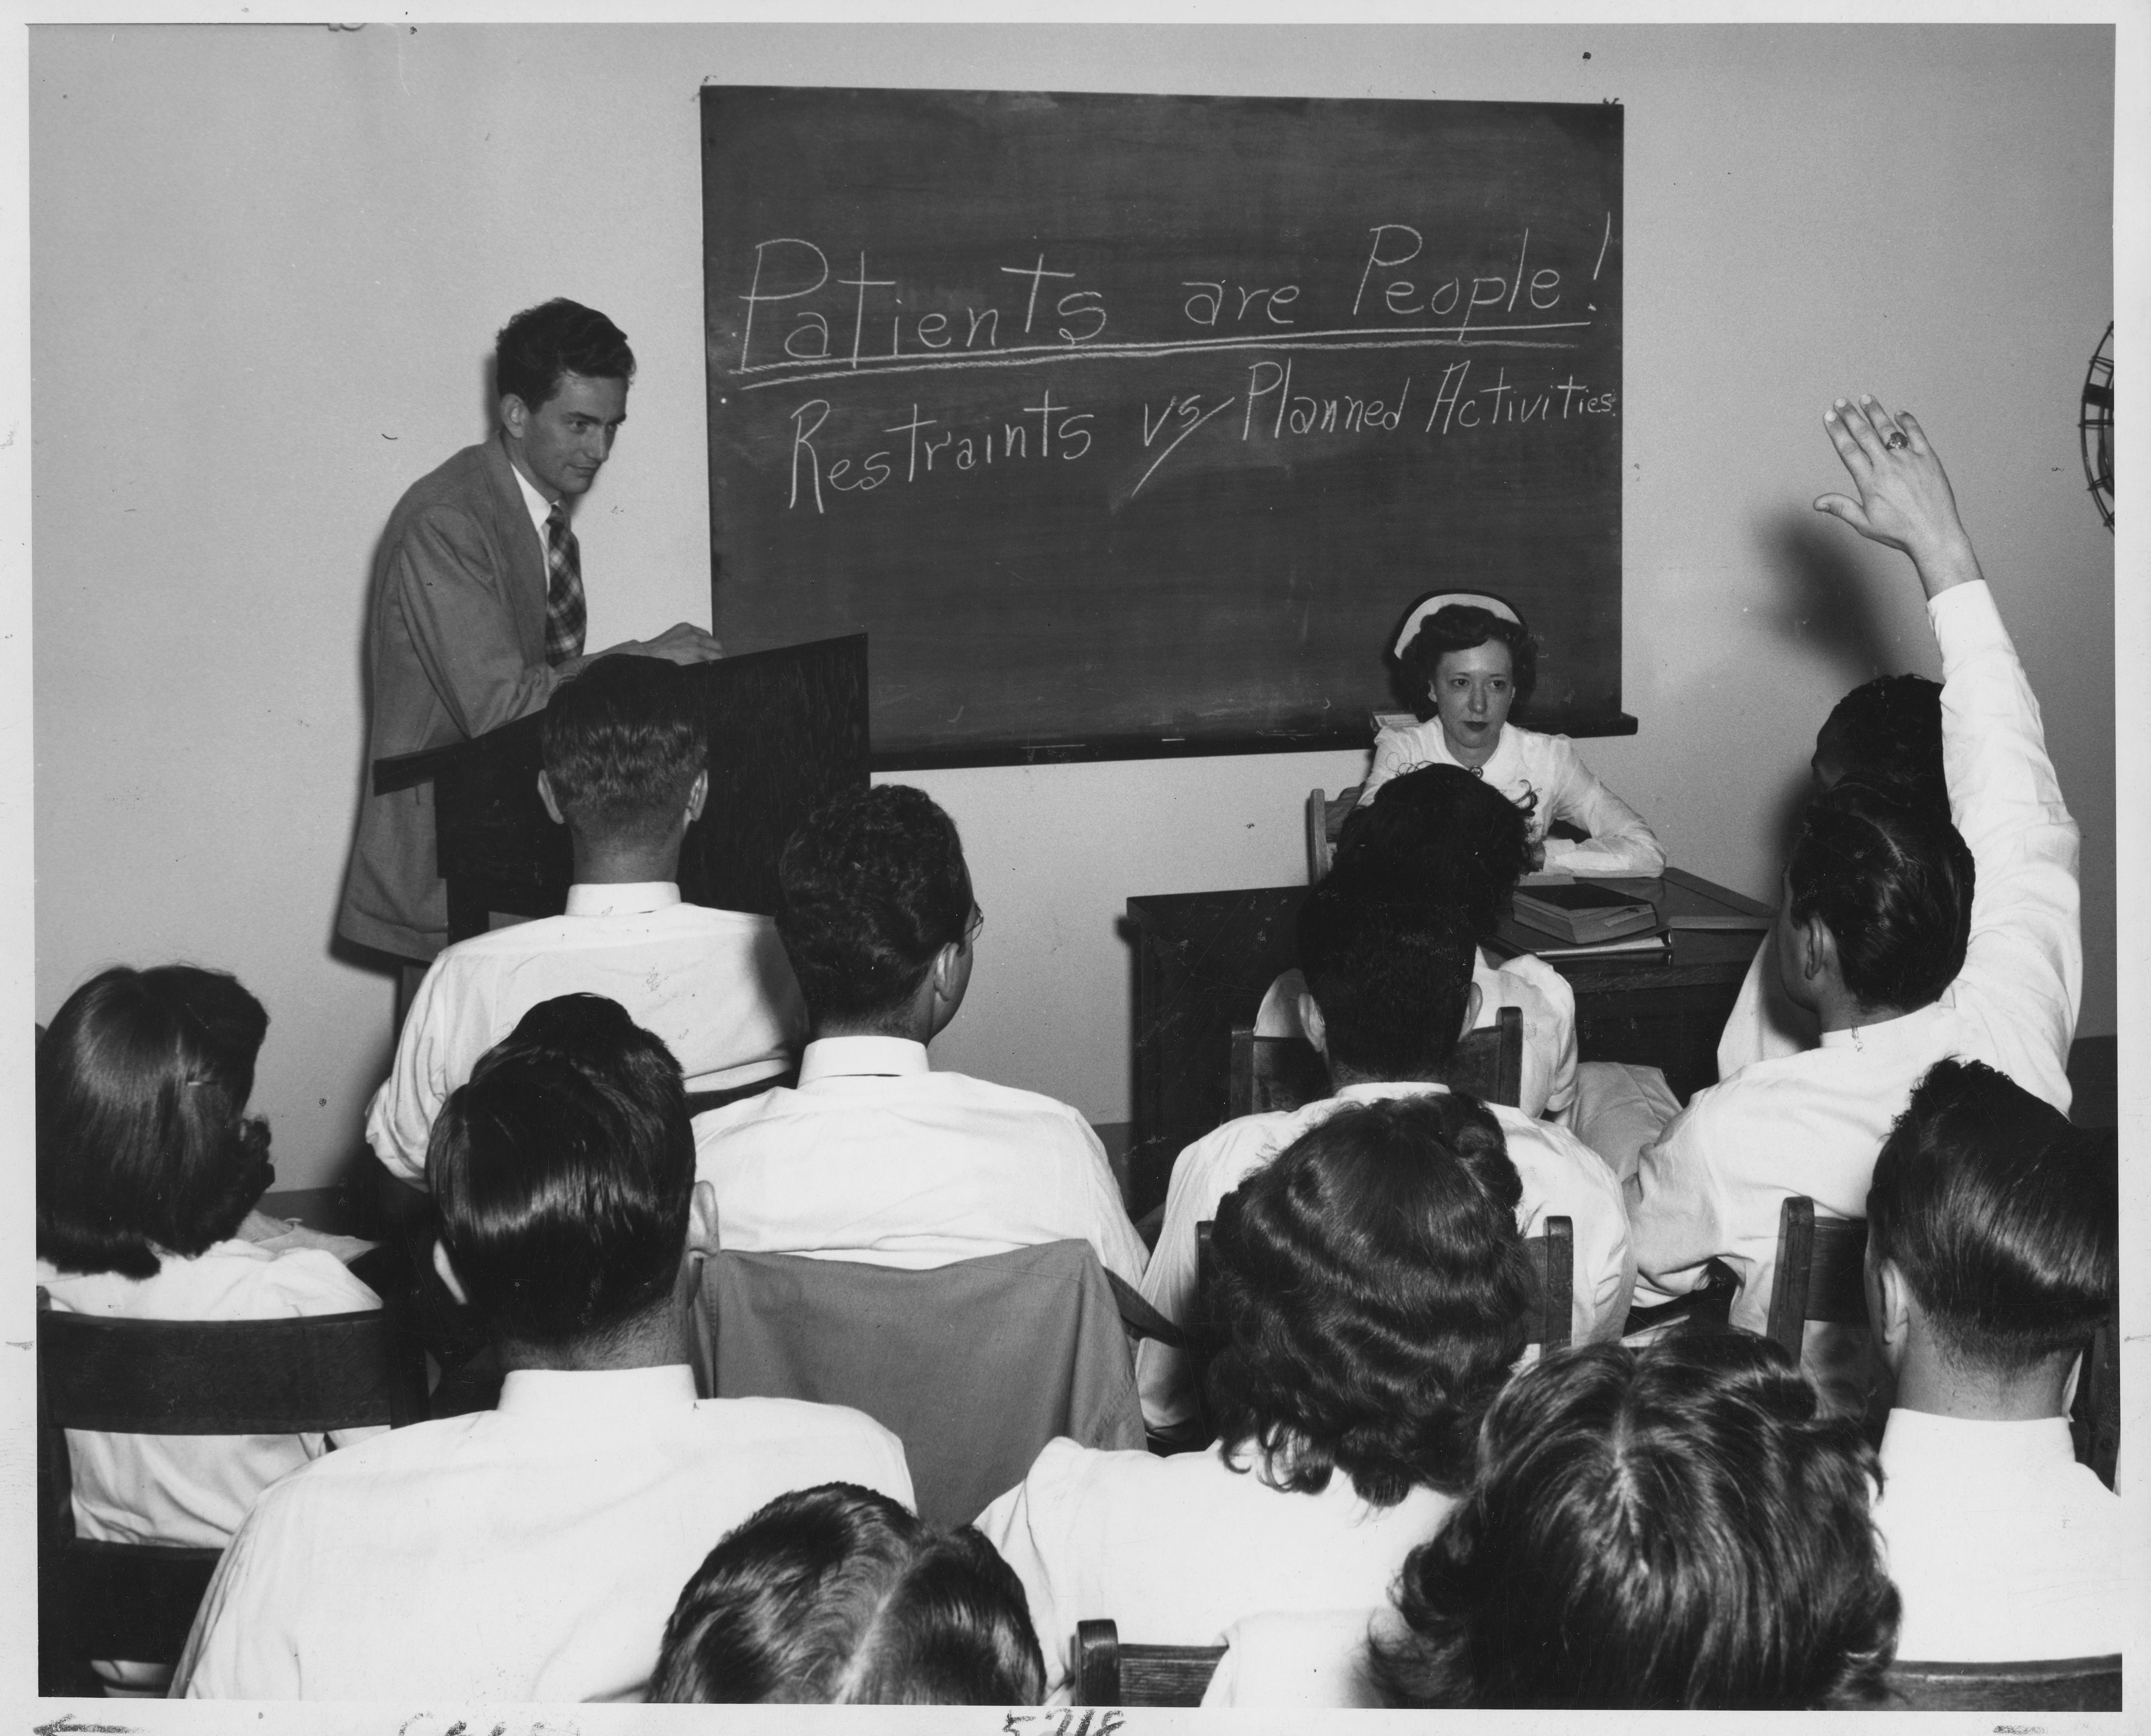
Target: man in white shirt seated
point(876, 1157)
point(1992, 1230)
point(533, 1553)
point(626, 772)
point(1390, 990)
point(1909, 938)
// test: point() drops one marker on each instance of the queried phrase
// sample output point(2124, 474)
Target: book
point(1656, 944)
point(1581, 914)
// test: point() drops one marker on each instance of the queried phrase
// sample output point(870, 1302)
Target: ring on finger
point(1898, 440)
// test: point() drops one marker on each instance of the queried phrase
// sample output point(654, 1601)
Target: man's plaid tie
point(564, 617)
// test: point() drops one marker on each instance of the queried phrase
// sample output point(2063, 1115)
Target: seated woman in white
point(1369, 1294)
point(1441, 835)
point(1473, 659)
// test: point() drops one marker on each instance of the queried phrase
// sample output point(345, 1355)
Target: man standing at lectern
point(477, 610)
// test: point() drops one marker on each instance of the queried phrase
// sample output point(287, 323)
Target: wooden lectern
point(787, 731)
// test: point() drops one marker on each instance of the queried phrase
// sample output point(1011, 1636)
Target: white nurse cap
point(1429, 606)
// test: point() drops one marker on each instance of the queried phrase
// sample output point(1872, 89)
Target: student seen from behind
point(531, 1552)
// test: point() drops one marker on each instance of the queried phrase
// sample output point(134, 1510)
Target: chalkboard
point(1130, 425)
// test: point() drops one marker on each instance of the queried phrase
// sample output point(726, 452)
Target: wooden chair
point(2056, 1684)
point(1820, 1273)
point(2095, 1418)
point(1270, 1073)
point(1325, 819)
point(1108, 1673)
point(304, 1375)
point(973, 1365)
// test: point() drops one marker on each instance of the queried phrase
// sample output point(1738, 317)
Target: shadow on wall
point(1828, 603)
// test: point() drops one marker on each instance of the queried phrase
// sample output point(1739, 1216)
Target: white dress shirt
point(1562, 1177)
point(1814, 1122)
point(1537, 990)
point(1175, 1550)
point(1543, 776)
point(2002, 1544)
point(193, 1490)
point(539, 508)
point(532, 1552)
point(876, 1157)
point(1310, 1661)
point(714, 985)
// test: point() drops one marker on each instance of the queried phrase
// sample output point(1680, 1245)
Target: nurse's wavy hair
point(1894, 884)
point(1674, 1527)
point(1441, 835)
point(144, 1145)
point(1887, 734)
point(1464, 627)
point(1368, 1289)
point(1391, 973)
point(562, 1172)
point(838, 1595)
point(2004, 1218)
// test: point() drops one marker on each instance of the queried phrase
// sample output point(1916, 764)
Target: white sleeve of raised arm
point(2023, 977)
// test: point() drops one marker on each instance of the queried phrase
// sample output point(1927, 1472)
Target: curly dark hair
point(1671, 1527)
point(1893, 884)
point(1368, 1291)
point(624, 743)
point(837, 1596)
point(871, 888)
point(1887, 733)
point(1441, 834)
point(541, 346)
point(1391, 973)
point(144, 1145)
point(2004, 1219)
point(563, 1171)
point(1463, 627)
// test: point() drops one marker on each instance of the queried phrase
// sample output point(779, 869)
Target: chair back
point(1820, 1272)
point(1108, 1673)
point(1276, 1073)
point(2055, 1684)
point(295, 1376)
point(1325, 819)
point(975, 1366)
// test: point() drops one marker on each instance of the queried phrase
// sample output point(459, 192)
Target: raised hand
point(1904, 499)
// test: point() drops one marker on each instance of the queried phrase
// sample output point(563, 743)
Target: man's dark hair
point(2004, 1219)
point(1887, 733)
point(1438, 833)
point(1392, 976)
point(144, 1145)
point(563, 1173)
point(837, 1596)
point(1894, 884)
point(1368, 1290)
point(1674, 1527)
point(1464, 627)
point(534, 351)
point(624, 743)
point(870, 889)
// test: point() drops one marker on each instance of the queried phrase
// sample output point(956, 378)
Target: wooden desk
point(1203, 960)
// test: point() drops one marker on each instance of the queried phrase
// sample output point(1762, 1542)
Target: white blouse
point(1543, 776)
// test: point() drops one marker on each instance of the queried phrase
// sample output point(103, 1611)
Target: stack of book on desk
point(1558, 916)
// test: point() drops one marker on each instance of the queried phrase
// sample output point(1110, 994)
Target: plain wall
point(267, 263)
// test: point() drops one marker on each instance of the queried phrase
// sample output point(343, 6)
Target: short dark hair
point(1368, 1290)
point(1463, 627)
point(1888, 734)
point(870, 889)
point(562, 1172)
point(624, 743)
point(541, 346)
point(838, 1595)
point(1441, 834)
point(1392, 976)
point(1677, 1526)
point(143, 1145)
point(2004, 1219)
point(1894, 885)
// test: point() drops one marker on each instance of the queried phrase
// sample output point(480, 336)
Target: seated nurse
point(1473, 657)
